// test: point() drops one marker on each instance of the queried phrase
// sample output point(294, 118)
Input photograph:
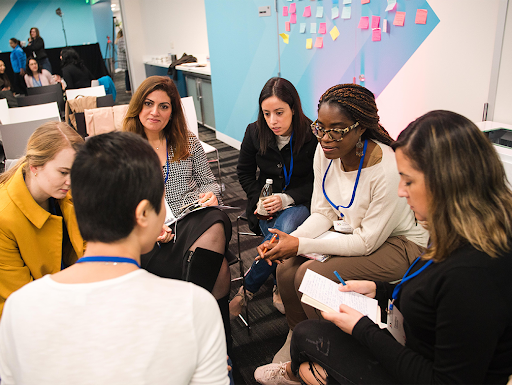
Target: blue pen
point(339, 278)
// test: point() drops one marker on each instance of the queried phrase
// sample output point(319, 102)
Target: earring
point(35, 174)
point(359, 148)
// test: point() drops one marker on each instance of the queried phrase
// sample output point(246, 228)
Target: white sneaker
point(273, 374)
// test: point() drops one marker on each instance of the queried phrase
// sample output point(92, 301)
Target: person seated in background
point(35, 49)
point(281, 146)
point(74, 72)
point(38, 230)
point(18, 62)
point(5, 83)
point(105, 320)
point(456, 299)
point(36, 76)
point(354, 190)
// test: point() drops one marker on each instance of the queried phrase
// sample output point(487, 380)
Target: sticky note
point(293, 8)
point(346, 13)
point(376, 34)
point(347, 1)
point(319, 11)
point(365, 1)
point(307, 11)
point(335, 12)
point(334, 33)
point(309, 43)
point(391, 5)
point(335, 2)
point(286, 38)
point(287, 26)
point(399, 19)
point(323, 28)
point(312, 28)
point(385, 26)
point(293, 18)
point(364, 22)
point(319, 42)
point(375, 21)
point(285, 11)
point(302, 27)
point(421, 16)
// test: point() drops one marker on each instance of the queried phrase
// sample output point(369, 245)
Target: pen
point(274, 237)
point(339, 278)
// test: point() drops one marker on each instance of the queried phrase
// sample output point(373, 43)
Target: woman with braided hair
point(355, 186)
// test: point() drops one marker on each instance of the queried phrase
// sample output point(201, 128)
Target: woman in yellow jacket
point(39, 234)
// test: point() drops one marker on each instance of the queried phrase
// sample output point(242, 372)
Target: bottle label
point(260, 209)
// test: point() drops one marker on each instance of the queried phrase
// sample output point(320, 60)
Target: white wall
point(158, 27)
point(451, 70)
point(503, 106)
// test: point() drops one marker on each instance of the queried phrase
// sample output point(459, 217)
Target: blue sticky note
point(312, 29)
point(335, 2)
point(319, 11)
point(302, 27)
point(346, 13)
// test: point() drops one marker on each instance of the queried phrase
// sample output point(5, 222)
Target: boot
point(224, 311)
point(239, 302)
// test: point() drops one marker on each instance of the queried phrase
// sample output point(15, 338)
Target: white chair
point(89, 91)
point(37, 112)
point(4, 112)
point(191, 117)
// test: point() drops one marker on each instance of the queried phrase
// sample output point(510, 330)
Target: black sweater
point(76, 77)
point(457, 320)
point(270, 166)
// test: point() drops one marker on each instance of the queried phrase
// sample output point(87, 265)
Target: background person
point(267, 147)
point(121, 60)
point(109, 321)
point(38, 230)
point(35, 49)
point(18, 62)
point(74, 72)
point(36, 76)
point(5, 83)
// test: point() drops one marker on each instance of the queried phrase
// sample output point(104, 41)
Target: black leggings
point(342, 356)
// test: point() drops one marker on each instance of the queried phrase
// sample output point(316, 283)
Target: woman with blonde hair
point(38, 230)
point(199, 240)
point(455, 301)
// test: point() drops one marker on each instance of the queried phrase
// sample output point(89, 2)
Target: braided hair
point(358, 103)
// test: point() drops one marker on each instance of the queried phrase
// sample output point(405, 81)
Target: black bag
point(202, 267)
point(183, 59)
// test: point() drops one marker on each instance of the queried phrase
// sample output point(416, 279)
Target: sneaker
point(239, 302)
point(273, 374)
point(278, 302)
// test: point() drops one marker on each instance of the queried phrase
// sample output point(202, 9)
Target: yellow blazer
point(31, 237)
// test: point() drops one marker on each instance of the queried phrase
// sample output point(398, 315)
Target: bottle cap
point(269, 181)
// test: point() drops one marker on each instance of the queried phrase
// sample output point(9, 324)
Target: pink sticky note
point(293, 8)
point(293, 18)
point(421, 16)
point(375, 21)
point(399, 19)
point(376, 34)
point(307, 11)
point(364, 22)
point(365, 1)
point(287, 26)
point(323, 28)
point(319, 42)
point(285, 11)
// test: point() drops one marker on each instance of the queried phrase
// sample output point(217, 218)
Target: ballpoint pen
point(274, 237)
point(339, 278)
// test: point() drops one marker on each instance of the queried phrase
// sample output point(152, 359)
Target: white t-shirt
point(134, 329)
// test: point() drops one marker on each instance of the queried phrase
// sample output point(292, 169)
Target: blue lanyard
point(166, 163)
point(288, 177)
point(406, 278)
point(102, 258)
point(337, 208)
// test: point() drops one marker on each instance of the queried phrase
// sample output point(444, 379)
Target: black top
point(457, 320)
point(75, 77)
point(36, 49)
point(270, 166)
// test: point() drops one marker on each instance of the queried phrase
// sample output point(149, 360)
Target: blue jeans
point(286, 221)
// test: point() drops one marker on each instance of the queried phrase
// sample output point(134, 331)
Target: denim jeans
point(286, 221)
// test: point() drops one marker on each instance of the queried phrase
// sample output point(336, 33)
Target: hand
point(367, 288)
point(256, 212)
point(57, 78)
point(165, 235)
point(273, 204)
point(346, 319)
point(22, 72)
point(286, 247)
point(208, 199)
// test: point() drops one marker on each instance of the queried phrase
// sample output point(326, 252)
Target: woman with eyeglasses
point(356, 180)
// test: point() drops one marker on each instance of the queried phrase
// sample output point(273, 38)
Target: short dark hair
point(110, 176)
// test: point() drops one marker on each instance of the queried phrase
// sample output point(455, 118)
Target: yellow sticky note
point(309, 43)
point(334, 33)
point(286, 38)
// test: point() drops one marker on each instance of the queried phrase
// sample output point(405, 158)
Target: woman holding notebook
point(455, 302)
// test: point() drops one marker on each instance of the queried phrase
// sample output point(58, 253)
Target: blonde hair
point(176, 132)
point(469, 197)
point(43, 145)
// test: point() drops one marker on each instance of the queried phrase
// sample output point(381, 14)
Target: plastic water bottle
point(266, 191)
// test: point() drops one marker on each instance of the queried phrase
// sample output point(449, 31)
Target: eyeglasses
point(335, 134)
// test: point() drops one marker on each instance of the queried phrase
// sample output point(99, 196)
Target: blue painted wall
point(102, 15)
point(25, 14)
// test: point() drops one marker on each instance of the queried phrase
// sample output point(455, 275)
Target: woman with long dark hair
point(36, 76)
point(74, 72)
point(35, 49)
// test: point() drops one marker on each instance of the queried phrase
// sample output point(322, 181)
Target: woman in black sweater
point(75, 73)
point(456, 299)
point(35, 49)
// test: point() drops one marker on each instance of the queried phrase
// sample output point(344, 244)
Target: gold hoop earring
point(359, 148)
